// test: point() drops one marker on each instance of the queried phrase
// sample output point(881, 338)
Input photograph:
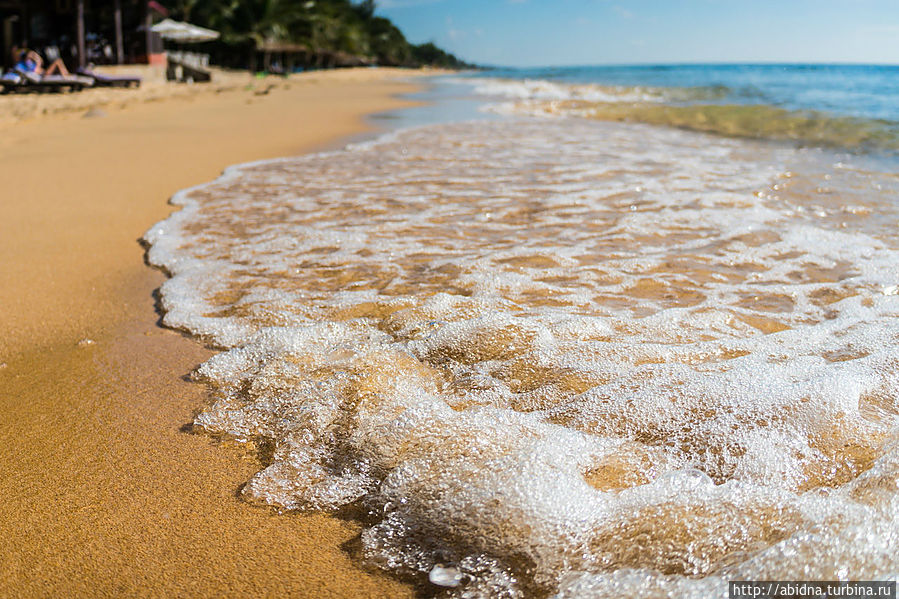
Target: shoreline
point(106, 494)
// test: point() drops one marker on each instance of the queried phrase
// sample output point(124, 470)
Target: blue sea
point(864, 91)
point(845, 106)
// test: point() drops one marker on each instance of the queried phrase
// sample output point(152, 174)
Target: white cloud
point(452, 32)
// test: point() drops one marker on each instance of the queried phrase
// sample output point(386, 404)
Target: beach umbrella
point(183, 33)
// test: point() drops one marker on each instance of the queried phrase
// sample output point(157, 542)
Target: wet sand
point(104, 491)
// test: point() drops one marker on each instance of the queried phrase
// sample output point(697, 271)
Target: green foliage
point(429, 54)
point(327, 28)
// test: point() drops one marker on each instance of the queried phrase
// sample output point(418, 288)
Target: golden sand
point(104, 493)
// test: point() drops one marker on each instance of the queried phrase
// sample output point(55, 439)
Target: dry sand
point(103, 493)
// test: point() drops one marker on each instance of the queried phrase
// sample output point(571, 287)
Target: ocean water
point(865, 91)
point(844, 106)
point(545, 355)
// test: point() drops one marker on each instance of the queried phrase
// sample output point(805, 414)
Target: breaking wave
point(704, 109)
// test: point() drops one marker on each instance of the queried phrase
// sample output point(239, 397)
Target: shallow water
point(852, 90)
point(560, 357)
point(841, 106)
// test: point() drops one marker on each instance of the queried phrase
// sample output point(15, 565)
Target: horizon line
point(693, 63)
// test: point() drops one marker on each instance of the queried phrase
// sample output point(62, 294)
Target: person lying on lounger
point(31, 62)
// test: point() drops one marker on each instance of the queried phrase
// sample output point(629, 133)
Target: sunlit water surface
point(560, 357)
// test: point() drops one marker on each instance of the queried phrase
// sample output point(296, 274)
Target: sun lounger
point(10, 81)
point(182, 67)
point(101, 80)
point(51, 83)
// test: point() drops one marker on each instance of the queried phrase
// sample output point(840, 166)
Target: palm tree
point(254, 23)
point(325, 27)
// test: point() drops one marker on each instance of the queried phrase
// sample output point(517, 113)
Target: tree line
point(325, 28)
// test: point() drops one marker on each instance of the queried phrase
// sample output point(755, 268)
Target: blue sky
point(571, 32)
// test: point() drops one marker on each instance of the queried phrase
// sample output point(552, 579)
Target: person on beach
point(31, 62)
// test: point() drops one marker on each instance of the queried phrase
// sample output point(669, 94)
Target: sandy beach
point(106, 493)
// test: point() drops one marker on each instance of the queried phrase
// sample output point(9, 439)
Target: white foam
point(539, 89)
point(592, 359)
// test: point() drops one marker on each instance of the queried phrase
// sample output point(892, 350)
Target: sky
point(580, 32)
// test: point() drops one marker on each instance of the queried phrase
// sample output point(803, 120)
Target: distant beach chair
point(32, 76)
point(188, 67)
point(100, 80)
point(10, 81)
point(31, 81)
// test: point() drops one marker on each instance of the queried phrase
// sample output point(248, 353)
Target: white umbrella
point(183, 33)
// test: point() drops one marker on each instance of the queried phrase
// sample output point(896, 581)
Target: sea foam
point(563, 358)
